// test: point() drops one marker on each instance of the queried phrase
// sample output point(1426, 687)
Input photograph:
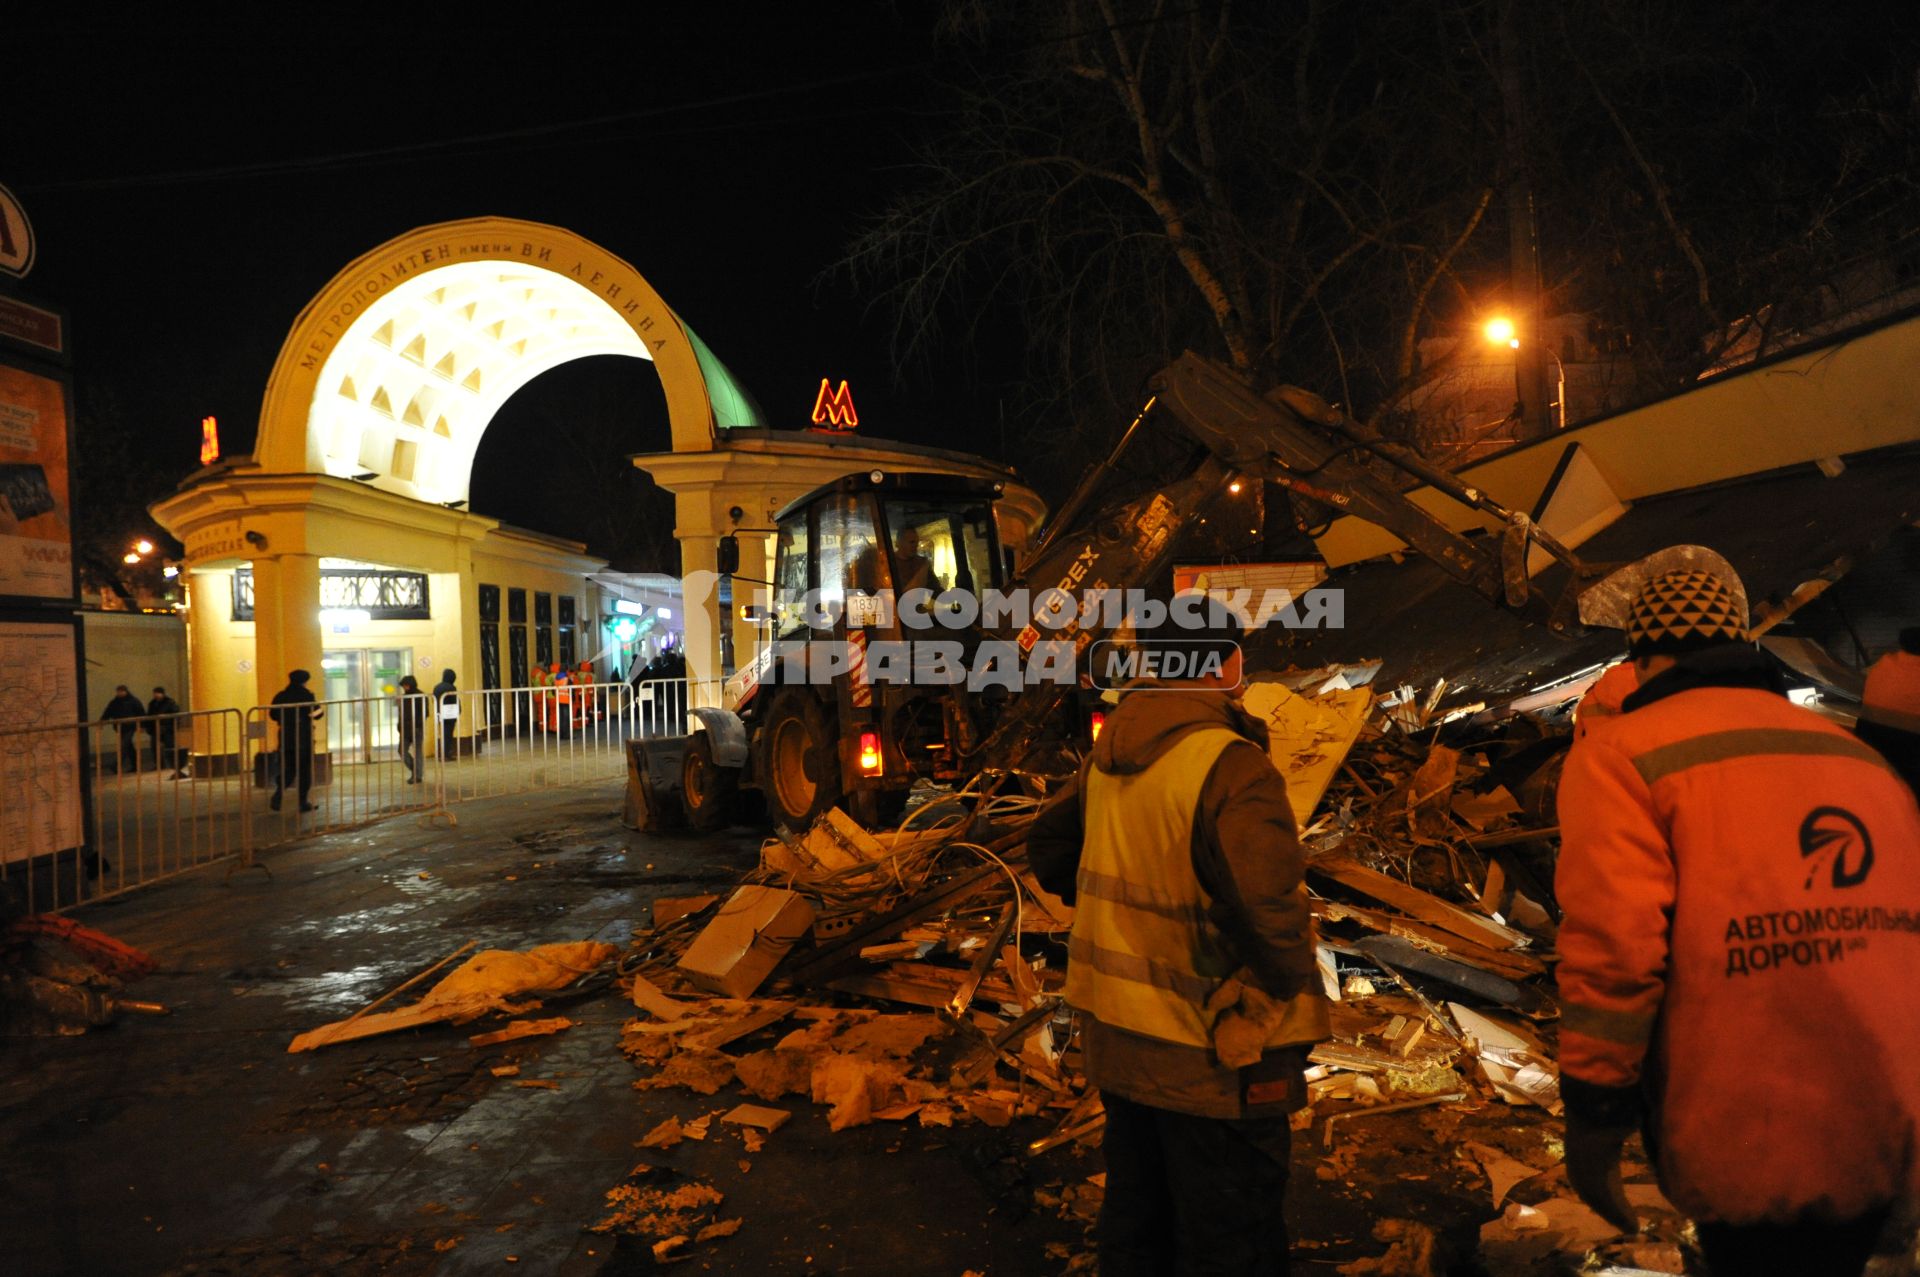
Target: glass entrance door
point(369, 731)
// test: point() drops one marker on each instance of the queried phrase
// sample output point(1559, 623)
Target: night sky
point(192, 184)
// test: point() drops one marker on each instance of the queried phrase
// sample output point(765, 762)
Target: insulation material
point(1309, 736)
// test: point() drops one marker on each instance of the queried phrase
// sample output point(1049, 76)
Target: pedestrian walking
point(1191, 962)
point(413, 728)
point(1890, 707)
point(160, 726)
point(294, 713)
point(446, 709)
point(124, 711)
point(1738, 877)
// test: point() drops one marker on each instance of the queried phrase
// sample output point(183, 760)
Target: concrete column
point(214, 679)
point(694, 528)
point(286, 621)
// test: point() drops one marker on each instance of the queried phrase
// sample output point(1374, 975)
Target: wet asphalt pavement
point(196, 1144)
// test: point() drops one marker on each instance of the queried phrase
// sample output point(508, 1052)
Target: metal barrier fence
point(329, 765)
point(90, 810)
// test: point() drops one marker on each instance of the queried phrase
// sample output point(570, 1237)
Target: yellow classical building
point(343, 545)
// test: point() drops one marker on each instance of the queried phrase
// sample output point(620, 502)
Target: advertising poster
point(36, 537)
point(39, 750)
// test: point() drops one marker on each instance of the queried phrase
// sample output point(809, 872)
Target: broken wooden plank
point(1399, 955)
point(845, 950)
point(1417, 903)
point(1507, 837)
point(649, 997)
point(1514, 964)
point(920, 984)
point(1366, 1059)
point(757, 1116)
point(963, 996)
point(897, 951)
point(521, 1029)
point(715, 1038)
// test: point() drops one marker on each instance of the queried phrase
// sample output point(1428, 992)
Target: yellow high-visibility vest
point(1143, 955)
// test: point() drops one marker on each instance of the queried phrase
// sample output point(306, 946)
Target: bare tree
point(1279, 185)
point(1306, 189)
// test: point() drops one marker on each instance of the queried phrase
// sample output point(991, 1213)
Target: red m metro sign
point(833, 409)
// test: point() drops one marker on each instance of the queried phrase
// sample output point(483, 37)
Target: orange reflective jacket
point(1603, 699)
point(1890, 712)
point(1741, 887)
point(1892, 694)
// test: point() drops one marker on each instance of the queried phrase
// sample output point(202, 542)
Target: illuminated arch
point(394, 370)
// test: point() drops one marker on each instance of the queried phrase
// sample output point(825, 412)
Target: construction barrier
point(352, 768)
point(89, 810)
point(95, 809)
point(515, 740)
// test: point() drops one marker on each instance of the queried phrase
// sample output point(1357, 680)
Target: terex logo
point(1837, 833)
point(1170, 660)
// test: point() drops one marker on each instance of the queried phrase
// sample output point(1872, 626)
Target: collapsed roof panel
point(1780, 531)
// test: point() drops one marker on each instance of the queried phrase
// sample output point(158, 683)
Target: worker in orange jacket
point(1603, 700)
point(1890, 707)
point(1741, 887)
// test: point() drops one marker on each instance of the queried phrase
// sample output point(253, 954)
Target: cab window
point(940, 545)
point(849, 550)
point(790, 583)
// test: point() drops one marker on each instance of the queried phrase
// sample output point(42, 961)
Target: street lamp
point(1500, 331)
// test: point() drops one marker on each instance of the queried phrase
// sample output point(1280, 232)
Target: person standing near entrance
point(1738, 876)
point(1191, 964)
point(293, 713)
point(160, 726)
point(413, 728)
point(446, 695)
point(123, 711)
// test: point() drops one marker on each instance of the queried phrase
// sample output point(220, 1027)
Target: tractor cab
point(842, 549)
point(873, 558)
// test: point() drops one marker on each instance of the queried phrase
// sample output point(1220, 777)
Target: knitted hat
point(1683, 612)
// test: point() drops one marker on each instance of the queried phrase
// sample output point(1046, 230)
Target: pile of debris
point(59, 979)
point(915, 976)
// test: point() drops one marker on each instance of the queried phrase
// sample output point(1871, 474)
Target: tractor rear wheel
point(799, 760)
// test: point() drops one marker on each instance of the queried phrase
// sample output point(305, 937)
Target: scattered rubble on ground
point(915, 976)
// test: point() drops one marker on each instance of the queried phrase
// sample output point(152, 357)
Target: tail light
point(1096, 721)
point(870, 753)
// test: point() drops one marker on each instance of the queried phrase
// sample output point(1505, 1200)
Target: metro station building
point(344, 544)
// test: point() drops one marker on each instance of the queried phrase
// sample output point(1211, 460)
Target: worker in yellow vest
point(1190, 962)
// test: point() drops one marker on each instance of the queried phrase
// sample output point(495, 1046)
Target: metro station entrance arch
point(369, 426)
point(375, 409)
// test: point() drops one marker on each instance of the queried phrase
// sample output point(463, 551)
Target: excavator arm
point(1289, 437)
point(1297, 440)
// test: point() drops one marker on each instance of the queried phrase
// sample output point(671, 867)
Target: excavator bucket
point(653, 784)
